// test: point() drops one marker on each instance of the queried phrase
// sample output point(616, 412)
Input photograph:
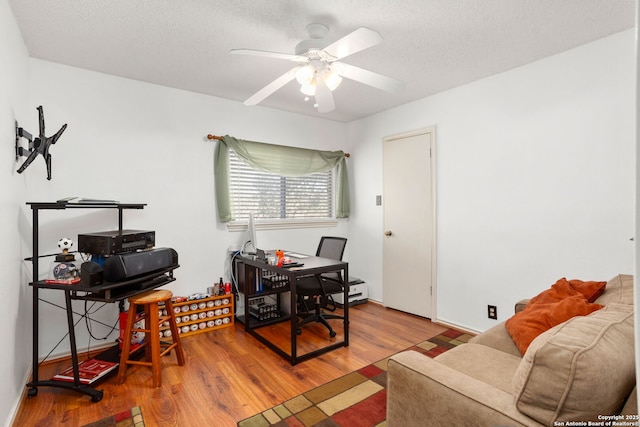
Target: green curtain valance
point(281, 160)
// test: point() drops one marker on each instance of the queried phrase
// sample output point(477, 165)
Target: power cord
point(88, 321)
point(88, 324)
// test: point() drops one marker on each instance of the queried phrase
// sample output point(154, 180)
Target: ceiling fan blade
point(324, 97)
point(368, 77)
point(272, 87)
point(267, 54)
point(361, 39)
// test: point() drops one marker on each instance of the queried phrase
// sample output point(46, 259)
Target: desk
point(107, 292)
point(253, 270)
point(101, 293)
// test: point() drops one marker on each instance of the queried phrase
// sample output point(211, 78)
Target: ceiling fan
point(318, 70)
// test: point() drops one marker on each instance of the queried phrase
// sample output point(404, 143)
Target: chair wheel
point(332, 334)
point(299, 331)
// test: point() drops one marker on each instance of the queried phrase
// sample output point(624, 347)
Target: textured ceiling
point(431, 45)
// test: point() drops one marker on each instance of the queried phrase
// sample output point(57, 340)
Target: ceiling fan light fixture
point(331, 79)
point(309, 89)
point(305, 75)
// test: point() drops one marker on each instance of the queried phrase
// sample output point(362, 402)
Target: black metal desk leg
point(72, 338)
point(33, 390)
point(35, 305)
point(294, 319)
point(345, 298)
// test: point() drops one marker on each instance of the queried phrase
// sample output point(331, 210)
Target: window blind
point(272, 196)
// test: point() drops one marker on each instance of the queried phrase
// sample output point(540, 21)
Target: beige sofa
point(579, 371)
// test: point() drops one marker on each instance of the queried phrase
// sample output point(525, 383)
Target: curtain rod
point(220, 138)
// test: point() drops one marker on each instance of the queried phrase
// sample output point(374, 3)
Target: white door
point(408, 248)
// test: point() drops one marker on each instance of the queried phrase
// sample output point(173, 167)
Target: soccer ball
point(65, 244)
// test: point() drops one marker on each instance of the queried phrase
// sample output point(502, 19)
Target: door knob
point(388, 233)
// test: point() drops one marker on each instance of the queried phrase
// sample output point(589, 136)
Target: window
point(321, 196)
point(274, 197)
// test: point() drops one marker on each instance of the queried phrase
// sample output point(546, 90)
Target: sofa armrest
point(520, 305)
point(419, 388)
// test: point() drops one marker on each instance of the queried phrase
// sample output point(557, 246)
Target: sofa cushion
point(619, 290)
point(564, 300)
point(579, 369)
point(483, 363)
point(497, 337)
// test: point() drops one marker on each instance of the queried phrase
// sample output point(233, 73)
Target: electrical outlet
point(492, 311)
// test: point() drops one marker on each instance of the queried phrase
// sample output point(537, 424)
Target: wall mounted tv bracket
point(39, 145)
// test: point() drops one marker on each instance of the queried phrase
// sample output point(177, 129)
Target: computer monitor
point(250, 246)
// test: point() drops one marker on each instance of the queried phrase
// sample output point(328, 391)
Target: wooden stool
point(152, 320)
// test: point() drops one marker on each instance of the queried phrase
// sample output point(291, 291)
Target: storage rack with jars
point(201, 315)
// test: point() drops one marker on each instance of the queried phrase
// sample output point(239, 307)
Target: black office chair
point(321, 286)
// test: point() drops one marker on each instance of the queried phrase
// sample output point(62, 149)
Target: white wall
point(15, 297)
point(535, 180)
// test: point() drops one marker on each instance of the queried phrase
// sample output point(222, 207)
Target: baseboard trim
point(455, 326)
point(436, 321)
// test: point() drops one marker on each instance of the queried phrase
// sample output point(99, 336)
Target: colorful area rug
point(358, 399)
point(129, 418)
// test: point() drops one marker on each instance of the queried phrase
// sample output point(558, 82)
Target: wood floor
point(229, 375)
